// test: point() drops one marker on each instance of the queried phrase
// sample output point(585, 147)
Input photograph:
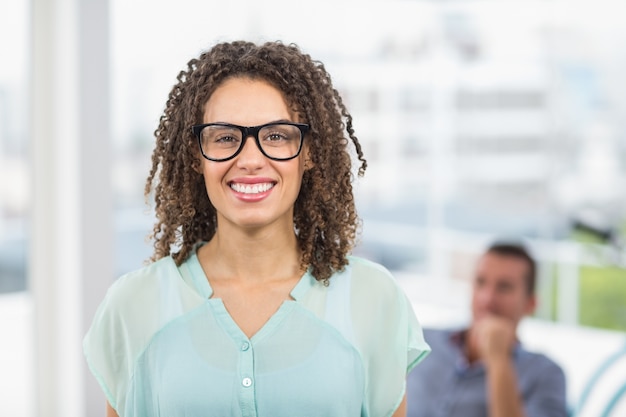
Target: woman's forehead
point(247, 102)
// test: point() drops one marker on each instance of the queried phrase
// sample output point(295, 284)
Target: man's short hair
point(517, 250)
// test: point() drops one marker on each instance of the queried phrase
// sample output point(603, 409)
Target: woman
point(252, 305)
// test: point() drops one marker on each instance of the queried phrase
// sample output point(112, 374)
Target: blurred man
point(483, 371)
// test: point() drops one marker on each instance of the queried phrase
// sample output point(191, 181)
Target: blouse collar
point(203, 287)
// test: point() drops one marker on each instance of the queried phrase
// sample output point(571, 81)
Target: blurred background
point(480, 120)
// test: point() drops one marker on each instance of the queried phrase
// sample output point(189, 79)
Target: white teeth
point(250, 188)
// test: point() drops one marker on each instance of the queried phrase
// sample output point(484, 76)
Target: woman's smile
point(251, 188)
point(252, 191)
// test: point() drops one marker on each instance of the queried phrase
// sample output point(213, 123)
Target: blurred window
point(14, 175)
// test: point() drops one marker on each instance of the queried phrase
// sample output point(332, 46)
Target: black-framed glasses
point(279, 141)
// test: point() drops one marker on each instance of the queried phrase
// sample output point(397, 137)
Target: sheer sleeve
point(108, 345)
point(131, 313)
point(387, 333)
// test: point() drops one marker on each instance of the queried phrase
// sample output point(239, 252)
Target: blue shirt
point(446, 385)
point(161, 345)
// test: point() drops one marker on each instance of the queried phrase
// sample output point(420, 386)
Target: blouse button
point(246, 382)
point(245, 346)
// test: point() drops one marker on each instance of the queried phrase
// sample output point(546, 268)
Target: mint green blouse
point(159, 345)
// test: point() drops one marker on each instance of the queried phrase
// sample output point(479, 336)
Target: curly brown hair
point(325, 217)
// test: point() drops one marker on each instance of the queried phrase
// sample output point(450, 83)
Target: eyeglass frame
point(246, 132)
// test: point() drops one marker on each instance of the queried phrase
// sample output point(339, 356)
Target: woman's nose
point(250, 155)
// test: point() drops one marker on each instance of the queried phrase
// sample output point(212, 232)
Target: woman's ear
point(197, 166)
point(308, 163)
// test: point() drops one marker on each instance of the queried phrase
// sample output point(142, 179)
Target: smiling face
point(500, 288)
point(251, 190)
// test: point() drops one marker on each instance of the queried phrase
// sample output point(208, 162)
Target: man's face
point(500, 288)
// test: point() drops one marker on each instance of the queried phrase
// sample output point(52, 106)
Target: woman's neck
point(251, 255)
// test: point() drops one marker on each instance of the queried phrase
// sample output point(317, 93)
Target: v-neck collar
point(203, 287)
point(200, 283)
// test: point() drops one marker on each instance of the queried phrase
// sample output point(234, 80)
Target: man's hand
point(494, 338)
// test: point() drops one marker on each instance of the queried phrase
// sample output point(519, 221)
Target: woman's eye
point(276, 137)
point(226, 138)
